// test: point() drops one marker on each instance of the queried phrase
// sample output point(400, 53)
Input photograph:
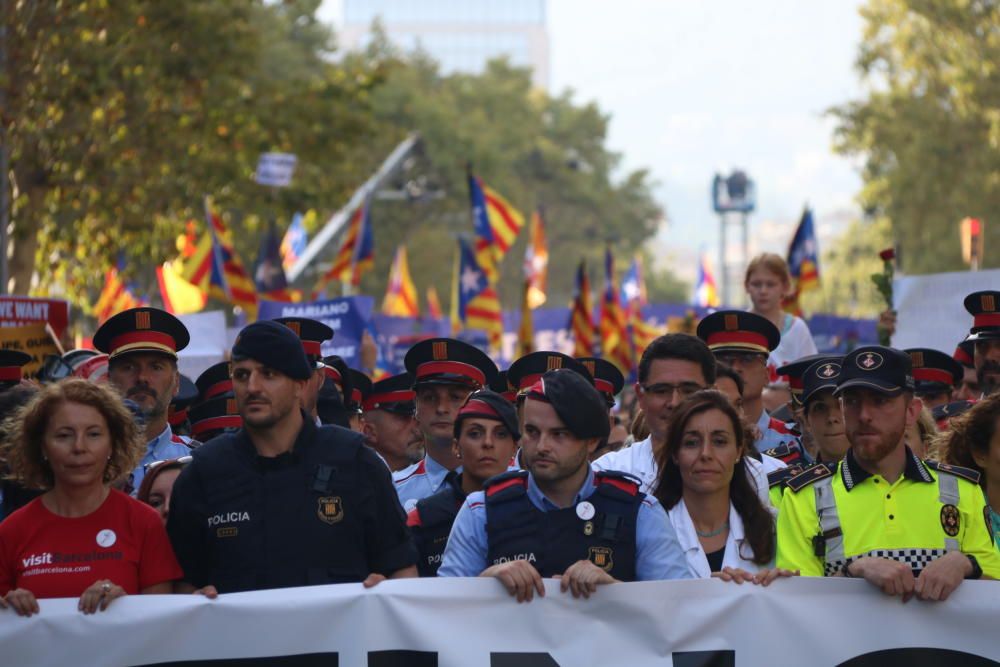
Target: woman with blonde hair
point(767, 283)
point(80, 538)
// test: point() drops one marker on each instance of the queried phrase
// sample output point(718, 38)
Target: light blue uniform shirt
point(423, 478)
point(162, 447)
point(771, 437)
point(658, 554)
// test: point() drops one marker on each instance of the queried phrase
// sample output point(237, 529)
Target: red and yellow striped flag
point(536, 261)
point(497, 224)
point(615, 345)
point(434, 304)
point(484, 312)
point(400, 294)
point(582, 315)
point(115, 297)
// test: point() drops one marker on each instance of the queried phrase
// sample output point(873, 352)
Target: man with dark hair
point(142, 346)
point(985, 335)
point(283, 502)
point(445, 371)
point(559, 517)
point(908, 527)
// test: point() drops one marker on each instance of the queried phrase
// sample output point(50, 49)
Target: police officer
point(985, 335)
point(214, 417)
point(743, 341)
point(486, 435)
point(558, 517)
point(334, 394)
point(177, 413)
point(964, 354)
point(445, 371)
point(609, 382)
point(909, 527)
point(935, 375)
point(12, 368)
point(312, 334)
point(283, 502)
point(214, 381)
point(142, 346)
point(361, 388)
point(389, 425)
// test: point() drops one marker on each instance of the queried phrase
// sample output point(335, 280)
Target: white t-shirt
point(796, 342)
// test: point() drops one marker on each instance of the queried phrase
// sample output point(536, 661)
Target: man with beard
point(908, 527)
point(282, 502)
point(445, 371)
point(142, 346)
point(560, 517)
point(985, 335)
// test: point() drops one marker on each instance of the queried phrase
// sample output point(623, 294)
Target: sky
point(699, 87)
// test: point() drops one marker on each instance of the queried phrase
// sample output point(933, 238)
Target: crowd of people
point(749, 457)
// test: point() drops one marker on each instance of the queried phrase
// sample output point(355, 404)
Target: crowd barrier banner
point(474, 623)
point(930, 311)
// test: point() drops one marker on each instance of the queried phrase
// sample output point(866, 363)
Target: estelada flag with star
point(478, 303)
point(496, 224)
point(803, 262)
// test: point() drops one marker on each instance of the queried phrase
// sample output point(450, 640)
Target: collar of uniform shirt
point(154, 446)
point(303, 439)
point(853, 474)
point(436, 472)
point(539, 500)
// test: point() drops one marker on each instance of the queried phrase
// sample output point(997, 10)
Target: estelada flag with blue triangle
point(295, 241)
point(357, 252)
point(496, 224)
point(478, 302)
point(803, 261)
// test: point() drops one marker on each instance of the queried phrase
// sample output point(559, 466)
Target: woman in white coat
point(722, 525)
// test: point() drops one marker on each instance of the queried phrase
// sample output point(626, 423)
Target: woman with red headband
point(486, 435)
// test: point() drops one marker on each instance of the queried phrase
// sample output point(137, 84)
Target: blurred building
point(462, 35)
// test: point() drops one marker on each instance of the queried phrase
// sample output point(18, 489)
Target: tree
point(929, 125)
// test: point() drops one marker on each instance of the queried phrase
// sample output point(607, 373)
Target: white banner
point(474, 623)
point(930, 311)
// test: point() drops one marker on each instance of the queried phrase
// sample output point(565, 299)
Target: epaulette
point(779, 452)
point(513, 479)
point(619, 480)
point(811, 474)
point(782, 427)
point(780, 476)
point(957, 471)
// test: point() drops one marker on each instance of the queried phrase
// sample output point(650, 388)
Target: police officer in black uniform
point(935, 376)
point(283, 502)
point(486, 434)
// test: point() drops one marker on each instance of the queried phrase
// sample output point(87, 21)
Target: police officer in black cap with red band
point(559, 518)
point(390, 427)
point(985, 336)
point(283, 502)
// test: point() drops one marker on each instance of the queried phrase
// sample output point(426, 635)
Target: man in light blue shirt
point(445, 371)
point(559, 518)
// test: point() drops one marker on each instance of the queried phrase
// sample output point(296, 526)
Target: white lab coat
point(695, 554)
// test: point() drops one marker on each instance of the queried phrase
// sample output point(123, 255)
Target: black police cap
point(11, 362)
point(607, 378)
point(965, 353)
point(187, 394)
point(821, 375)
point(577, 403)
point(502, 386)
point(361, 388)
point(934, 372)
point(882, 369)
point(450, 362)
point(526, 371)
point(795, 371)
point(984, 307)
point(142, 330)
point(212, 417)
point(275, 346)
point(336, 370)
point(488, 404)
point(215, 381)
point(949, 410)
point(393, 394)
point(311, 332)
point(738, 331)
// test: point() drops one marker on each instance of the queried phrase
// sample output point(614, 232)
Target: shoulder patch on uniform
point(778, 452)
point(507, 480)
point(957, 471)
point(779, 476)
point(782, 427)
point(620, 480)
point(808, 476)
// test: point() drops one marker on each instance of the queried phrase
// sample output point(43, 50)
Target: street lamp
point(734, 197)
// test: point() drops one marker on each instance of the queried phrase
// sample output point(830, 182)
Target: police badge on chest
point(330, 509)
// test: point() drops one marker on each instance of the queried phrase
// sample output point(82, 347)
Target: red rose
point(887, 255)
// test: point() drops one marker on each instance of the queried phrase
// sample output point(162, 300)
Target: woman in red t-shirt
point(81, 537)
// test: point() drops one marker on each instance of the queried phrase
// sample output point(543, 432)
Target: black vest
point(552, 541)
point(437, 514)
point(295, 520)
